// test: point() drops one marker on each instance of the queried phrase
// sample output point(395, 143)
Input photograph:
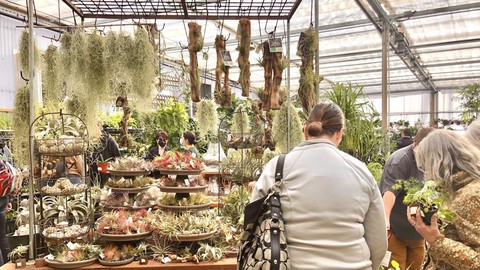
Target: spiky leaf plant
point(207, 117)
point(281, 132)
point(52, 84)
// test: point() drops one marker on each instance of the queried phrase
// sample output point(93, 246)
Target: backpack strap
point(279, 168)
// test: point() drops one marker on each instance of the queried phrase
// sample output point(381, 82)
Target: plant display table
point(225, 264)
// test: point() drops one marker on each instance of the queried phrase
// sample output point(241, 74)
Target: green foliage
point(376, 170)
point(207, 117)
point(469, 98)
point(234, 205)
point(24, 53)
point(363, 134)
point(113, 119)
point(21, 118)
point(242, 165)
point(5, 120)
point(52, 84)
point(170, 117)
point(281, 132)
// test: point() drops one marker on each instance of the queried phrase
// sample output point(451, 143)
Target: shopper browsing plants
point(449, 159)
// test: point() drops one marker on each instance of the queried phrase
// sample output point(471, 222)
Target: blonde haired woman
point(473, 133)
point(449, 158)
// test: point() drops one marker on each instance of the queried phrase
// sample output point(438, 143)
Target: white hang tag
point(386, 260)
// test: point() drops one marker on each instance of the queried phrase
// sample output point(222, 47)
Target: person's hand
point(9, 207)
point(429, 233)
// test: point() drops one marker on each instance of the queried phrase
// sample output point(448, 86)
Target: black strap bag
point(263, 245)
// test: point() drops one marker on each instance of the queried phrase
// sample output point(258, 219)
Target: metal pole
point(288, 88)
point(385, 44)
point(433, 108)
point(317, 52)
point(32, 84)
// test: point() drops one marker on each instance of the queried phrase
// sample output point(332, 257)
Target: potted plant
point(19, 253)
point(429, 197)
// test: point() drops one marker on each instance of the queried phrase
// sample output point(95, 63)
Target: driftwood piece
point(267, 136)
point(219, 47)
point(195, 45)
point(227, 90)
point(267, 66)
point(277, 80)
point(125, 140)
point(245, 31)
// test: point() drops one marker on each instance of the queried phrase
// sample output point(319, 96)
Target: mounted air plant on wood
point(223, 96)
point(273, 65)
point(52, 84)
point(244, 31)
point(307, 47)
point(195, 44)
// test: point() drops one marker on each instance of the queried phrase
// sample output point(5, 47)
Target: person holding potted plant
point(332, 208)
point(450, 159)
point(404, 243)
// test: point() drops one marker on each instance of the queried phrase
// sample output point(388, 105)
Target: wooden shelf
point(225, 264)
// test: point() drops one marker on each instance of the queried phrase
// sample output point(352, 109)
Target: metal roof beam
point(73, 7)
point(399, 43)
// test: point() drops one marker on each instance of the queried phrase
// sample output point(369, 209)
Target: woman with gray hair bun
point(450, 159)
point(473, 133)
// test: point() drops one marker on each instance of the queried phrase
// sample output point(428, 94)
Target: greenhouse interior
point(133, 132)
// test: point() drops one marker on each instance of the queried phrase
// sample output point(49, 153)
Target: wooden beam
point(185, 9)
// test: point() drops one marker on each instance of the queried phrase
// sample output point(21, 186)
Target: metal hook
point(225, 39)
point(25, 79)
point(159, 30)
point(181, 46)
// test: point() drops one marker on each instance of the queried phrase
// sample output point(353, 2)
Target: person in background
point(107, 150)
point(5, 153)
point(447, 157)
point(405, 244)
point(473, 133)
point(4, 248)
point(74, 169)
point(406, 139)
point(333, 211)
point(188, 140)
point(160, 148)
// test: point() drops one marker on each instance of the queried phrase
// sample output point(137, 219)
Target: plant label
point(413, 210)
point(275, 45)
point(227, 59)
point(386, 260)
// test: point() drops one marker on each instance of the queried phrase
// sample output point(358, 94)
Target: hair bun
point(315, 128)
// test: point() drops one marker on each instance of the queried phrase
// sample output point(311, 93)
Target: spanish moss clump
point(280, 130)
point(207, 117)
point(66, 54)
point(25, 53)
point(79, 54)
point(143, 65)
point(52, 84)
point(240, 121)
point(95, 72)
point(21, 127)
point(118, 56)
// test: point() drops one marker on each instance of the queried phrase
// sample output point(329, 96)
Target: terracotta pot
point(103, 167)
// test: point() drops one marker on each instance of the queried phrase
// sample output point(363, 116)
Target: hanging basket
point(61, 147)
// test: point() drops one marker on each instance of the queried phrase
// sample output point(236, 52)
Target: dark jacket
point(404, 141)
point(153, 152)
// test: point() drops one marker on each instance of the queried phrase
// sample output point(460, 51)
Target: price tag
point(71, 246)
point(187, 182)
point(166, 260)
point(386, 260)
point(101, 256)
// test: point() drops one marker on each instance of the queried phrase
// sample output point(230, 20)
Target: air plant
point(52, 84)
point(171, 225)
point(21, 127)
point(24, 52)
point(194, 199)
point(286, 128)
point(207, 117)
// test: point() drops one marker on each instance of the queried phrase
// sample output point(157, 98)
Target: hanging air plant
point(52, 84)
point(195, 44)
point(240, 121)
point(121, 76)
point(25, 53)
point(306, 51)
point(21, 127)
point(281, 132)
point(207, 117)
point(79, 55)
point(143, 65)
point(95, 72)
point(66, 56)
